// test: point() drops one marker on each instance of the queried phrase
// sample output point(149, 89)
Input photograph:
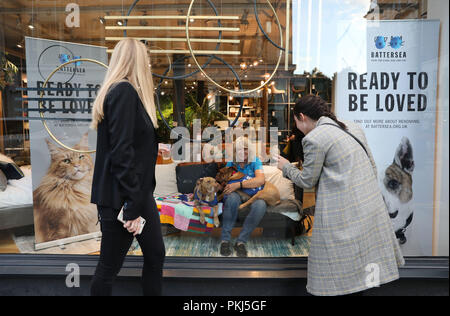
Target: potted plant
point(203, 112)
point(193, 111)
point(7, 71)
point(167, 111)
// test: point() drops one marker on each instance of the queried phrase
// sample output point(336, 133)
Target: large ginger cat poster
point(61, 202)
point(62, 154)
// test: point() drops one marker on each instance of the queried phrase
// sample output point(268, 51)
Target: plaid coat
point(353, 244)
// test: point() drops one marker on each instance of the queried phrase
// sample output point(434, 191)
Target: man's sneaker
point(240, 250)
point(225, 248)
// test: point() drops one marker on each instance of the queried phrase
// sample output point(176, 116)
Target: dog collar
point(210, 203)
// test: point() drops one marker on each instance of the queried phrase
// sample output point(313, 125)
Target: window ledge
point(192, 267)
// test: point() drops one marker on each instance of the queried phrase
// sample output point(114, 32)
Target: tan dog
point(269, 193)
point(205, 193)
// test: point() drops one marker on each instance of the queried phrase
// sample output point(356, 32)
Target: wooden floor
point(7, 244)
point(309, 199)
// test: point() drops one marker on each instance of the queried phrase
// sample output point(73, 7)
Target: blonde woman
point(251, 166)
point(124, 116)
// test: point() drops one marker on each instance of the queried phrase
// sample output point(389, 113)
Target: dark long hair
point(315, 107)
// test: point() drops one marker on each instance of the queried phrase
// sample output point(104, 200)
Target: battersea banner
point(389, 87)
point(62, 175)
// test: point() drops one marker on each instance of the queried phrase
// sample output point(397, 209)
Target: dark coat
point(127, 150)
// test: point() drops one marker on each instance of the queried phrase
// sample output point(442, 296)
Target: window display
point(253, 62)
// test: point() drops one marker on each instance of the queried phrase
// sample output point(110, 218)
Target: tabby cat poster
point(61, 176)
point(388, 84)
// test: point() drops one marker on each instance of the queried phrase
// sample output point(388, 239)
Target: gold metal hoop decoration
point(188, 17)
point(41, 107)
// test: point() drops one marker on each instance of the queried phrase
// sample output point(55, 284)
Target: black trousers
point(115, 243)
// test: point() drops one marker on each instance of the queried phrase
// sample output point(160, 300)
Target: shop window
point(237, 52)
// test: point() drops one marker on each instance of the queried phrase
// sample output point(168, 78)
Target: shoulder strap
point(354, 137)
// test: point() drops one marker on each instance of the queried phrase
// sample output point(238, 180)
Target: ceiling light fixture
point(269, 26)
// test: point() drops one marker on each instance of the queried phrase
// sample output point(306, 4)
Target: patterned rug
point(185, 245)
point(208, 246)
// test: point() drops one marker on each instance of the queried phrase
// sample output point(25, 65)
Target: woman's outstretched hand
point(281, 161)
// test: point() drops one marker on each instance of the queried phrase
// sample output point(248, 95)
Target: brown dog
point(269, 193)
point(205, 193)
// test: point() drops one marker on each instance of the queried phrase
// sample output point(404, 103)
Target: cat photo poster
point(62, 144)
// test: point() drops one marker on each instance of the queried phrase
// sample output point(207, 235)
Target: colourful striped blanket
point(180, 212)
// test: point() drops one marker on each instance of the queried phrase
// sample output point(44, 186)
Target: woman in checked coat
point(353, 244)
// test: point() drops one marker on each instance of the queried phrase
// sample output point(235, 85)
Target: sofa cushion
point(11, 170)
point(188, 174)
point(5, 158)
point(3, 181)
point(166, 180)
point(275, 176)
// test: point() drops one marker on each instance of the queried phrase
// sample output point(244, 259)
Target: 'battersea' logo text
point(395, 43)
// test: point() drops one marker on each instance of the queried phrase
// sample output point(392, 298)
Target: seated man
point(253, 169)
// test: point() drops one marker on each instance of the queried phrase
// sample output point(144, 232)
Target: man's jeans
point(230, 214)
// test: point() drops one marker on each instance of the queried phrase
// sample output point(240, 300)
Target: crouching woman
point(353, 244)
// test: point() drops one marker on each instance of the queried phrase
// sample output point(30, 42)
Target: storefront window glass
point(381, 64)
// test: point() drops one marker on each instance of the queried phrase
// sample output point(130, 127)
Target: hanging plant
point(7, 71)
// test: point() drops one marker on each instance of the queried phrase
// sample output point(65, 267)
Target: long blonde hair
point(129, 61)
